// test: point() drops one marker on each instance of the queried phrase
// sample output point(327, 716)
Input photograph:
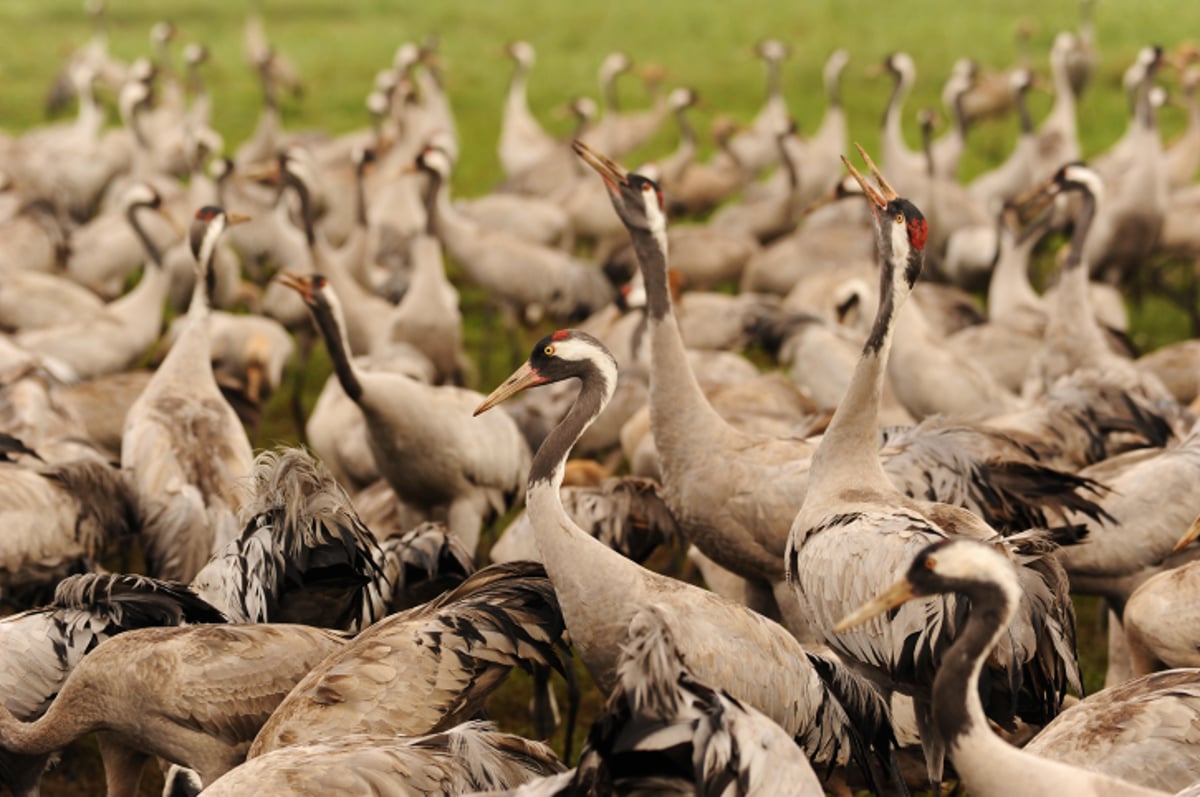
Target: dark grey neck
point(131, 213)
point(654, 272)
point(960, 116)
point(360, 195)
point(885, 313)
point(270, 102)
point(431, 204)
point(1023, 114)
point(310, 232)
point(789, 165)
point(553, 451)
point(338, 352)
point(957, 677)
point(1083, 223)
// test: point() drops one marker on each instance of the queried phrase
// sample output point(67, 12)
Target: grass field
point(703, 44)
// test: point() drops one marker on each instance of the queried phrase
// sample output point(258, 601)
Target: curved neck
point(849, 450)
point(957, 709)
point(456, 232)
point(789, 164)
point(360, 195)
point(131, 214)
point(550, 460)
point(891, 114)
point(432, 199)
point(960, 116)
point(333, 328)
point(310, 232)
point(1073, 323)
point(1023, 113)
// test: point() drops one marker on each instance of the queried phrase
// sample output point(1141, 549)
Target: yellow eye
point(899, 218)
point(548, 351)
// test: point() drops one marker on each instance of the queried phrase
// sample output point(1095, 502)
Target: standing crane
point(421, 436)
point(601, 591)
point(988, 766)
point(183, 445)
point(855, 527)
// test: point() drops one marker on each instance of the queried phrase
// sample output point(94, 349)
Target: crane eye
point(548, 351)
point(930, 563)
point(899, 218)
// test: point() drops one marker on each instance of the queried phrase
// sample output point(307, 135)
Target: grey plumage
point(303, 554)
point(465, 758)
point(423, 563)
point(40, 648)
point(428, 668)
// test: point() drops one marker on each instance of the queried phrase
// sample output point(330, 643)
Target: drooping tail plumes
point(422, 564)
point(303, 555)
point(664, 730)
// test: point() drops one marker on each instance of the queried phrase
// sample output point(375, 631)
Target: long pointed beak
point(232, 219)
point(523, 378)
point(614, 174)
point(1046, 191)
point(297, 282)
point(1189, 536)
point(264, 173)
point(876, 199)
point(893, 596)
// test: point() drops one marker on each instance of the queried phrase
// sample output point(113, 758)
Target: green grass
point(702, 43)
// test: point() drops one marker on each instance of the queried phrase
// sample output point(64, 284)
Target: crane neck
point(1073, 324)
point(306, 215)
point(849, 450)
point(789, 164)
point(360, 194)
point(774, 82)
point(958, 715)
point(833, 87)
point(152, 250)
point(680, 413)
point(332, 325)
point(517, 98)
point(1023, 115)
point(91, 116)
point(270, 100)
point(687, 133)
point(1009, 289)
point(433, 198)
point(550, 460)
point(891, 113)
point(1064, 98)
point(611, 103)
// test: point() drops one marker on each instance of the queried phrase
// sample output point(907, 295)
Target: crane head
point(637, 199)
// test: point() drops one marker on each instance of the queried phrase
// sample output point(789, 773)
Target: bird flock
point(811, 520)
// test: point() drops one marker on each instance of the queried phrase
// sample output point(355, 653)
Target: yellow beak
point(523, 378)
point(893, 596)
